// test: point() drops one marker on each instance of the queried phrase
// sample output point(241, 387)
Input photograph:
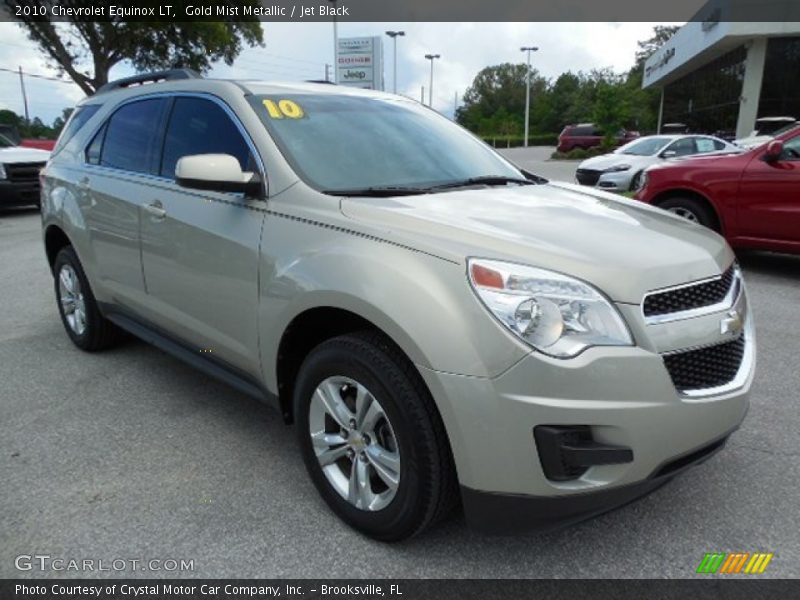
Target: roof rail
point(155, 76)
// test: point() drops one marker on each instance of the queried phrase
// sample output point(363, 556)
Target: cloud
point(299, 51)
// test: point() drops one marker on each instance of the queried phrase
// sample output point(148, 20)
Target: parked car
point(434, 321)
point(586, 135)
point(11, 134)
point(767, 128)
point(621, 170)
point(39, 144)
point(19, 174)
point(674, 129)
point(752, 198)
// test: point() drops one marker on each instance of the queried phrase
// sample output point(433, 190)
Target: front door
point(200, 250)
point(769, 196)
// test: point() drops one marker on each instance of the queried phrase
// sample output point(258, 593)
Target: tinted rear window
point(131, 136)
point(77, 120)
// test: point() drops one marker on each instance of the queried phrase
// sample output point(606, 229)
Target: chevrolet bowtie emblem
point(732, 324)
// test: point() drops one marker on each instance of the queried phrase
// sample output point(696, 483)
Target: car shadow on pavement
point(16, 212)
point(770, 263)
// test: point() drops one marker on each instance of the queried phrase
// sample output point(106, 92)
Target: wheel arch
point(694, 194)
point(55, 239)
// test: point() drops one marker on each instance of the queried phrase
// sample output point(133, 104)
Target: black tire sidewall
point(399, 518)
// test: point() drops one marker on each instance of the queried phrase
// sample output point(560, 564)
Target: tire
point(85, 326)
point(402, 428)
point(692, 210)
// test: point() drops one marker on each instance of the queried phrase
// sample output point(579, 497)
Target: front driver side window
point(200, 126)
point(791, 149)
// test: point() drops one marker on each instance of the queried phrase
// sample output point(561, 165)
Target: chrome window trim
point(730, 299)
point(177, 94)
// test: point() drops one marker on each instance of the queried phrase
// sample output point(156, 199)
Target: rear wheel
point(85, 326)
point(691, 209)
point(372, 440)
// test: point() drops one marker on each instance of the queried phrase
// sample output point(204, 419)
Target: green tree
point(611, 110)
point(76, 44)
point(495, 102)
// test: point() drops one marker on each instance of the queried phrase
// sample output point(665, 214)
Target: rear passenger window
point(131, 136)
point(198, 126)
point(705, 145)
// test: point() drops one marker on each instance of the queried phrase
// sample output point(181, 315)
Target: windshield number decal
point(283, 108)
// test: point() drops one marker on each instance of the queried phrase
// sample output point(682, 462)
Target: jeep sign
point(360, 62)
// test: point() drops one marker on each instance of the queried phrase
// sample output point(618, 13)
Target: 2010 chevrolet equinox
point(439, 325)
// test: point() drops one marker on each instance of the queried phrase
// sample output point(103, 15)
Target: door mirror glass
point(216, 173)
point(774, 151)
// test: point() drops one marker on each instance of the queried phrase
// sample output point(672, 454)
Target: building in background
point(360, 62)
point(720, 76)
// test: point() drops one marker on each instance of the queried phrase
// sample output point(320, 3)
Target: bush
point(516, 141)
point(578, 154)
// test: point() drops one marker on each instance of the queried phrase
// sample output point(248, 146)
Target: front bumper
point(623, 394)
point(19, 193)
point(510, 513)
point(615, 182)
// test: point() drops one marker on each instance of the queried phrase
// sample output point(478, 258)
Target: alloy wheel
point(354, 443)
point(72, 301)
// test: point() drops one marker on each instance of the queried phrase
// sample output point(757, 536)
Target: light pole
point(393, 35)
point(528, 49)
point(335, 45)
point(431, 57)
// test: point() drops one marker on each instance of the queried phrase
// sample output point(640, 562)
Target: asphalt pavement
point(131, 454)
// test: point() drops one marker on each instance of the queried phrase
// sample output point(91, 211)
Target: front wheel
point(372, 440)
point(691, 210)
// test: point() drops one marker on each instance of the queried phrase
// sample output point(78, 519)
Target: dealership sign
point(360, 62)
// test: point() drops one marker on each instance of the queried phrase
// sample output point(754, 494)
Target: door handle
point(156, 209)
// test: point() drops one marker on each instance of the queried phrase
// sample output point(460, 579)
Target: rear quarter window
point(76, 121)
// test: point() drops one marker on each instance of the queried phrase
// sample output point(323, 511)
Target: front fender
point(422, 302)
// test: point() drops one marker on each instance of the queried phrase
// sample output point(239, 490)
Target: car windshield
point(338, 143)
point(645, 147)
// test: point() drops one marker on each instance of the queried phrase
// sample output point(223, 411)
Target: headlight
point(554, 313)
point(2, 171)
point(642, 183)
point(618, 168)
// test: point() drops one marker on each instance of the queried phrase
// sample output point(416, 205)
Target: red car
point(752, 197)
point(587, 136)
point(38, 144)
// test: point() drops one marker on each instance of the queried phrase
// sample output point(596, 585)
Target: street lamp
point(431, 57)
point(528, 49)
point(335, 44)
point(393, 35)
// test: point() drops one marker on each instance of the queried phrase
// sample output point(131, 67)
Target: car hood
point(18, 154)
point(624, 247)
point(606, 161)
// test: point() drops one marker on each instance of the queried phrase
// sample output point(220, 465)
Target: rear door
point(119, 163)
point(200, 250)
point(769, 196)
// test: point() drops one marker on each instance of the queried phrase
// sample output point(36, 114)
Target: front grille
point(705, 368)
point(24, 171)
point(587, 176)
point(689, 297)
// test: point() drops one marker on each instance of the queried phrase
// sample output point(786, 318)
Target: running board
point(192, 357)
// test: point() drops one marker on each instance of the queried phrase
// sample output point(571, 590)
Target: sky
point(298, 51)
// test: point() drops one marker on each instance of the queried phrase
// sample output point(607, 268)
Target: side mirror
point(669, 154)
point(215, 173)
point(774, 151)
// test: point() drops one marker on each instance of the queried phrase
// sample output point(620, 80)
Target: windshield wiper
point(483, 180)
point(379, 191)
